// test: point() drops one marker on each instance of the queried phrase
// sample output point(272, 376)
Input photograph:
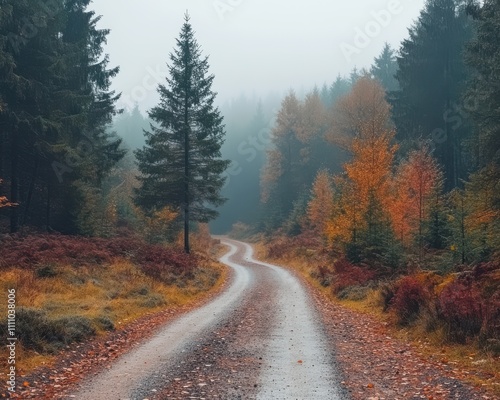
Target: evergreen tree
point(338, 89)
point(432, 75)
point(56, 104)
point(32, 76)
point(483, 55)
point(385, 67)
point(180, 165)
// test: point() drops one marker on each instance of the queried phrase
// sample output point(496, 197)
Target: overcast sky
point(254, 46)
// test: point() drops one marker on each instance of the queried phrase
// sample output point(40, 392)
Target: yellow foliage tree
point(346, 221)
point(284, 158)
point(365, 130)
point(312, 118)
point(477, 228)
point(320, 207)
point(160, 226)
point(364, 109)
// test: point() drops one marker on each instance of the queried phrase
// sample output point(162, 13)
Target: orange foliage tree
point(364, 109)
point(320, 207)
point(417, 186)
point(365, 130)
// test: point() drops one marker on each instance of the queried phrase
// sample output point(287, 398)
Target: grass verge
point(58, 303)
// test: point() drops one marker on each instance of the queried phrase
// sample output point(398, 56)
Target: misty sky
point(255, 46)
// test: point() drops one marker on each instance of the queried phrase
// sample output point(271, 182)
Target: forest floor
point(252, 347)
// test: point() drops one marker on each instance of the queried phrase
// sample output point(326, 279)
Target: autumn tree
point(363, 127)
point(346, 222)
point(320, 207)
point(299, 150)
point(365, 104)
point(282, 176)
point(417, 187)
point(181, 165)
point(475, 215)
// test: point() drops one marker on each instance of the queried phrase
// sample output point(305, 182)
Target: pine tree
point(87, 137)
point(385, 67)
point(31, 93)
point(483, 55)
point(181, 164)
point(55, 107)
point(432, 75)
point(338, 89)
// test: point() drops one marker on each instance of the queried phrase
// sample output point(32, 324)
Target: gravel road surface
point(260, 339)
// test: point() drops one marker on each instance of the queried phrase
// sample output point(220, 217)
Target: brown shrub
point(411, 296)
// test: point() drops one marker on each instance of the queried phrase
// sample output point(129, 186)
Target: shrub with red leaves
point(410, 298)
point(32, 252)
point(461, 307)
point(347, 275)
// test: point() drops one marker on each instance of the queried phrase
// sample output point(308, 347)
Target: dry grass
point(107, 296)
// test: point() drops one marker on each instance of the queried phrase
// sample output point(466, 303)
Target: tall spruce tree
point(181, 163)
point(385, 67)
point(483, 55)
point(54, 108)
point(432, 77)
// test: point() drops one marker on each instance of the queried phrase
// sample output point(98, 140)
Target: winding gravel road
point(260, 339)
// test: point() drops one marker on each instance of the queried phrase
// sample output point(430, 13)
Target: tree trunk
point(30, 191)
point(14, 184)
point(187, 200)
point(47, 209)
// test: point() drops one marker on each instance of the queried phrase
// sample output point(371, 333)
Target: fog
point(255, 47)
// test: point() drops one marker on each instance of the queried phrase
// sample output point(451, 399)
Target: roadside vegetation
point(70, 289)
point(450, 317)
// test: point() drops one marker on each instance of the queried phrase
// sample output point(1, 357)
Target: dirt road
point(260, 339)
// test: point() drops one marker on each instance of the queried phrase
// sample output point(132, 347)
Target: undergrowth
point(69, 289)
point(457, 311)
